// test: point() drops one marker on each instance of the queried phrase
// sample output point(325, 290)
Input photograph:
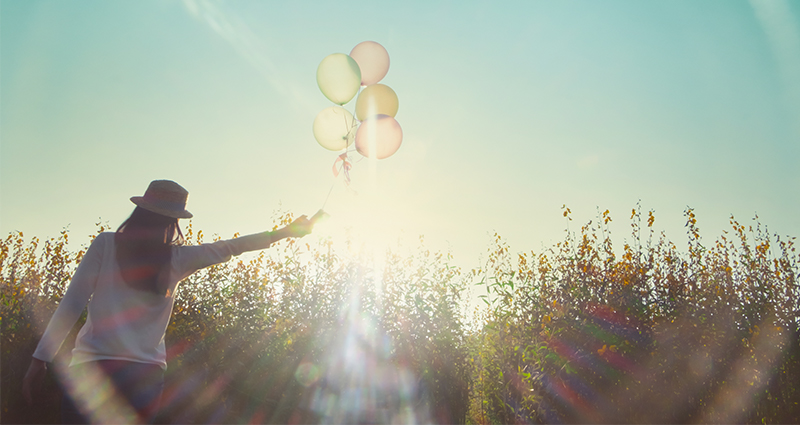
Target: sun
point(362, 223)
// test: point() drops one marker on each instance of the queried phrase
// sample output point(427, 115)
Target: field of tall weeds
point(585, 331)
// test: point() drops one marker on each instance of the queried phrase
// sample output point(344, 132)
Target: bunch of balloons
point(373, 129)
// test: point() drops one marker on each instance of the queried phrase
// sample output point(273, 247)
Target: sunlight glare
point(362, 222)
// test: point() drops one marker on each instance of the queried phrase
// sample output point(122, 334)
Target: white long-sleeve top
point(124, 323)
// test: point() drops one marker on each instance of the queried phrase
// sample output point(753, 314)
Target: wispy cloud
point(781, 27)
point(239, 35)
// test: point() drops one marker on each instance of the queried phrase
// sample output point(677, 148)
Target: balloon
point(379, 137)
point(334, 128)
point(339, 78)
point(373, 59)
point(377, 99)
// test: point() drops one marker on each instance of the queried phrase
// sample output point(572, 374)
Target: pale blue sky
point(509, 110)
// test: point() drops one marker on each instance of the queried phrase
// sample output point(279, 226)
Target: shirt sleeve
point(189, 259)
point(74, 301)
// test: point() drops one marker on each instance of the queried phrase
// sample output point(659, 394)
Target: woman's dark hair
point(144, 249)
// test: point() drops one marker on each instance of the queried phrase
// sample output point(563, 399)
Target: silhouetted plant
point(585, 331)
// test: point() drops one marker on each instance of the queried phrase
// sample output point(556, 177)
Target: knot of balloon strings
point(345, 167)
point(341, 165)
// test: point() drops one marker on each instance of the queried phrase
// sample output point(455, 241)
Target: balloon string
point(328, 196)
point(352, 125)
point(347, 148)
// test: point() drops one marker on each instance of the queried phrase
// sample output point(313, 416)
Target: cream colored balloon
point(339, 78)
point(377, 99)
point(334, 128)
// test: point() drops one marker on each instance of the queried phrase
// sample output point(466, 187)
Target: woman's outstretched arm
point(192, 258)
point(300, 227)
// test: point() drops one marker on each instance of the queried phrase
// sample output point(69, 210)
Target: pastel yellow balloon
point(377, 99)
point(339, 78)
point(334, 128)
point(379, 137)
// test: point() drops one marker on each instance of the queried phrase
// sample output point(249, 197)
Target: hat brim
point(141, 202)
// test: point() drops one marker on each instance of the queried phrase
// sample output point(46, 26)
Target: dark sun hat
point(164, 197)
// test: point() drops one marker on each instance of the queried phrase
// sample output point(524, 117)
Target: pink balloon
point(379, 136)
point(373, 59)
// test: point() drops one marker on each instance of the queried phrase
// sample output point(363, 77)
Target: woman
point(128, 278)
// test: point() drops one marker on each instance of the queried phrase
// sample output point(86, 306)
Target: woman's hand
point(299, 227)
point(33, 379)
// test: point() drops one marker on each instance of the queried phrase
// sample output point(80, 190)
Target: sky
point(509, 111)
